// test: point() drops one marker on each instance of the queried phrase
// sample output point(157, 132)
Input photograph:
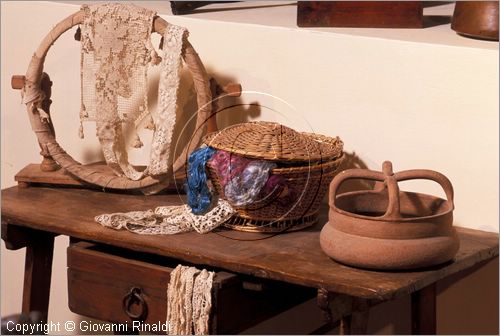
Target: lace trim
point(202, 302)
point(168, 219)
point(189, 301)
point(169, 84)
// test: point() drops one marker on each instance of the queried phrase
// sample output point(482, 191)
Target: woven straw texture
point(273, 141)
point(296, 205)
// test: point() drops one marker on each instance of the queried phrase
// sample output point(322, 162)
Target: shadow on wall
point(230, 110)
point(353, 161)
point(436, 20)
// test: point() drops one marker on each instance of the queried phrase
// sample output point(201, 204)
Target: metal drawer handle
point(135, 297)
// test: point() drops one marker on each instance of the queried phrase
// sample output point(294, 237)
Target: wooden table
point(32, 216)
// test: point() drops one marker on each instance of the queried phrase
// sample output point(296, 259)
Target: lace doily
point(168, 219)
point(116, 52)
point(189, 301)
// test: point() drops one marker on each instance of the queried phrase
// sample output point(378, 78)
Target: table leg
point(423, 311)
point(323, 302)
point(359, 317)
point(37, 274)
point(348, 313)
point(345, 325)
point(357, 322)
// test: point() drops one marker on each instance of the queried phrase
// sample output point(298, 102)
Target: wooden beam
point(423, 311)
point(37, 274)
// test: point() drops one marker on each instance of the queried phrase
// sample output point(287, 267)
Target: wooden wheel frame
point(44, 129)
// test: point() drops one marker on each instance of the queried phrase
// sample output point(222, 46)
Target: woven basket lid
point(273, 141)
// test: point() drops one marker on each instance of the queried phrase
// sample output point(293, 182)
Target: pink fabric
point(228, 165)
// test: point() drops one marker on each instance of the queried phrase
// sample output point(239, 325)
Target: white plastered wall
point(418, 101)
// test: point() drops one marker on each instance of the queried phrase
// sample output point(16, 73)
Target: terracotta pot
point(386, 228)
point(477, 19)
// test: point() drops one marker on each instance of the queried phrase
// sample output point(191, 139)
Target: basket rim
point(264, 135)
point(330, 166)
point(292, 225)
point(333, 164)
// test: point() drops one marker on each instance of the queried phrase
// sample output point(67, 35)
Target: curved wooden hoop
point(46, 136)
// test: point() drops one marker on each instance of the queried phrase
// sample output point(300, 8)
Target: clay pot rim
point(451, 207)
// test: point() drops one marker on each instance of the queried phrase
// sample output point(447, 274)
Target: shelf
point(283, 15)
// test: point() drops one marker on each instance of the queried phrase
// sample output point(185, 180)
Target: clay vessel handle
point(386, 176)
point(427, 174)
point(393, 207)
point(350, 174)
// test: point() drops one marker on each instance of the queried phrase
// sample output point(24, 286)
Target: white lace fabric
point(116, 52)
point(168, 219)
point(189, 301)
point(173, 40)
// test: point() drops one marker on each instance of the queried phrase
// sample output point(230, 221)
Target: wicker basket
point(307, 162)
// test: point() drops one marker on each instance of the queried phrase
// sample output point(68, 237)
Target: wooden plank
point(187, 7)
point(365, 14)
point(294, 257)
point(33, 174)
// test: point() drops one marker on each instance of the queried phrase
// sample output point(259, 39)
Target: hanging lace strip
point(168, 219)
point(189, 301)
point(169, 85)
point(116, 52)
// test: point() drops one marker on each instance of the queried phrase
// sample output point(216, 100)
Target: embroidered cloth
point(116, 52)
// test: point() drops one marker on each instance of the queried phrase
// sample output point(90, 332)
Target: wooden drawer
point(102, 280)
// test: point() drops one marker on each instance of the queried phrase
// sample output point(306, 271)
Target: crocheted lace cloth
point(189, 296)
point(168, 219)
point(116, 51)
point(164, 120)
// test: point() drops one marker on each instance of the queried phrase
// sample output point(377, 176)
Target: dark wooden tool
point(189, 7)
point(48, 172)
point(17, 82)
point(366, 14)
point(38, 85)
point(478, 19)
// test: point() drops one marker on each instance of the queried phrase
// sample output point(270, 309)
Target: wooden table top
point(294, 257)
